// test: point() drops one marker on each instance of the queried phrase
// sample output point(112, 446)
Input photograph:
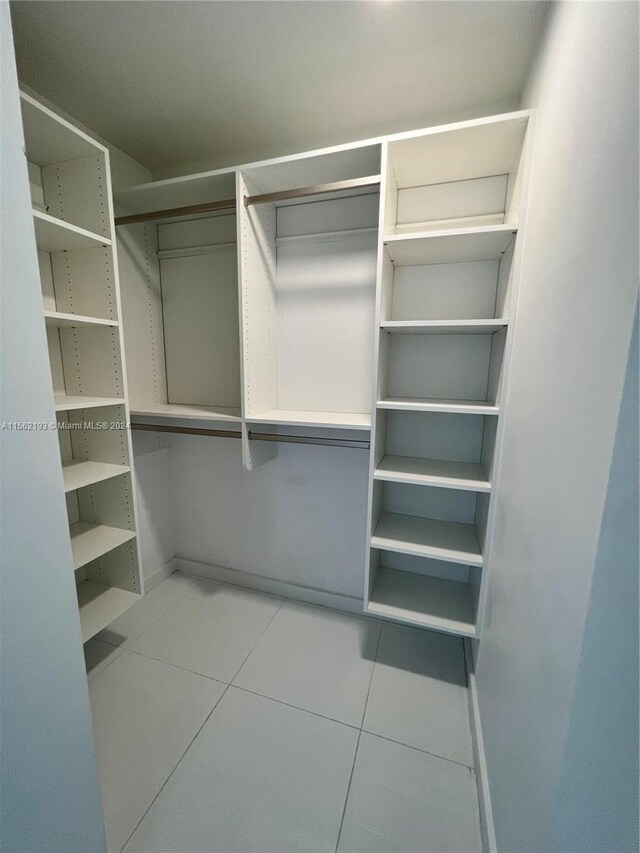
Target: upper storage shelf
point(50, 139)
point(456, 176)
point(481, 243)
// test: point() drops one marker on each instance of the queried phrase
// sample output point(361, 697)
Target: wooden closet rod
point(255, 436)
point(223, 204)
point(318, 189)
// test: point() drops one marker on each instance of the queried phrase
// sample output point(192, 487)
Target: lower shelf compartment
point(423, 601)
point(449, 541)
point(100, 605)
point(90, 541)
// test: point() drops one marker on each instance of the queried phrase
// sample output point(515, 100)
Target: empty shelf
point(433, 472)
point(100, 605)
point(428, 602)
point(51, 139)
point(177, 410)
point(64, 402)
point(450, 541)
point(428, 404)
point(90, 541)
point(62, 320)
point(54, 235)
point(335, 420)
point(79, 474)
point(443, 327)
point(482, 243)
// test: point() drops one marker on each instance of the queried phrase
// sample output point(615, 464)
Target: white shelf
point(466, 476)
point(200, 413)
point(90, 541)
point(335, 420)
point(49, 138)
point(443, 327)
point(63, 321)
point(77, 475)
point(67, 403)
point(427, 404)
point(450, 541)
point(100, 605)
point(460, 245)
point(424, 601)
point(54, 235)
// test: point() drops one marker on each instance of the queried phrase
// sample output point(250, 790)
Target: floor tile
point(418, 693)
point(139, 618)
point(260, 776)
point(211, 631)
point(315, 659)
point(98, 656)
point(401, 799)
point(145, 715)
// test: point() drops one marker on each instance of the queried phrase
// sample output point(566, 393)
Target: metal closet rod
point(171, 212)
point(317, 189)
point(255, 436)
point(230, 203)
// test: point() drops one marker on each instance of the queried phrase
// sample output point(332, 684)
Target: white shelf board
point(64, 402)
point(335, 420)
point(450, 541)
point(466, 476)
point(482, 243)
point(90, 541)
point(443, 327)
point(77, 475)
point(428, 404)
point(423, 601)
point(63, 321)
point(100, 605)
point(49, 138)
point(200, 413)
point(54, 235)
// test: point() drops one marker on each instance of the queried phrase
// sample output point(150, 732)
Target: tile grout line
point(153, 624)
point(422, 751)
point(162, 787)
point(224, 692)
point(294, 707)
point(253, 648)
point(355, 754)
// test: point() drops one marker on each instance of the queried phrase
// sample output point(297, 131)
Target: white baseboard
point(159, 575)
point(283, 589)
point(479, 759)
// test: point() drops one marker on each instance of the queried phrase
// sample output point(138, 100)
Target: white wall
point(577, 297)
point(596, 806)
point(49, 798)
point(300, 518)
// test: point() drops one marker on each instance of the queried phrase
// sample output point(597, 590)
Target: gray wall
point(49, 798)
point(550, 631)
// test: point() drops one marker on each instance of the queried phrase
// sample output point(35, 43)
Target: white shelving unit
point(411, 277)
point(73, 223)
point(308, 269)
point(450, 210)
point(180, 301)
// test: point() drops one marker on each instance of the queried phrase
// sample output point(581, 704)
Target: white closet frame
point(75, 239)
point(464, 207)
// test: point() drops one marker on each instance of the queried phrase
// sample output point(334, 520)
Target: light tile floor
point(227, 720)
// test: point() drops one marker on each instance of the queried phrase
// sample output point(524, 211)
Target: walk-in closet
point(319, 410)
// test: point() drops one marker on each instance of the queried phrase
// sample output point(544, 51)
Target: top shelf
point(483, 243)
point(50, 139)
point(473, 149)
point(335, 420)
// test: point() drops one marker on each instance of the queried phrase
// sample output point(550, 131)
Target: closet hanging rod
point(317, 189)
point(172, 212)
point(255, 436)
